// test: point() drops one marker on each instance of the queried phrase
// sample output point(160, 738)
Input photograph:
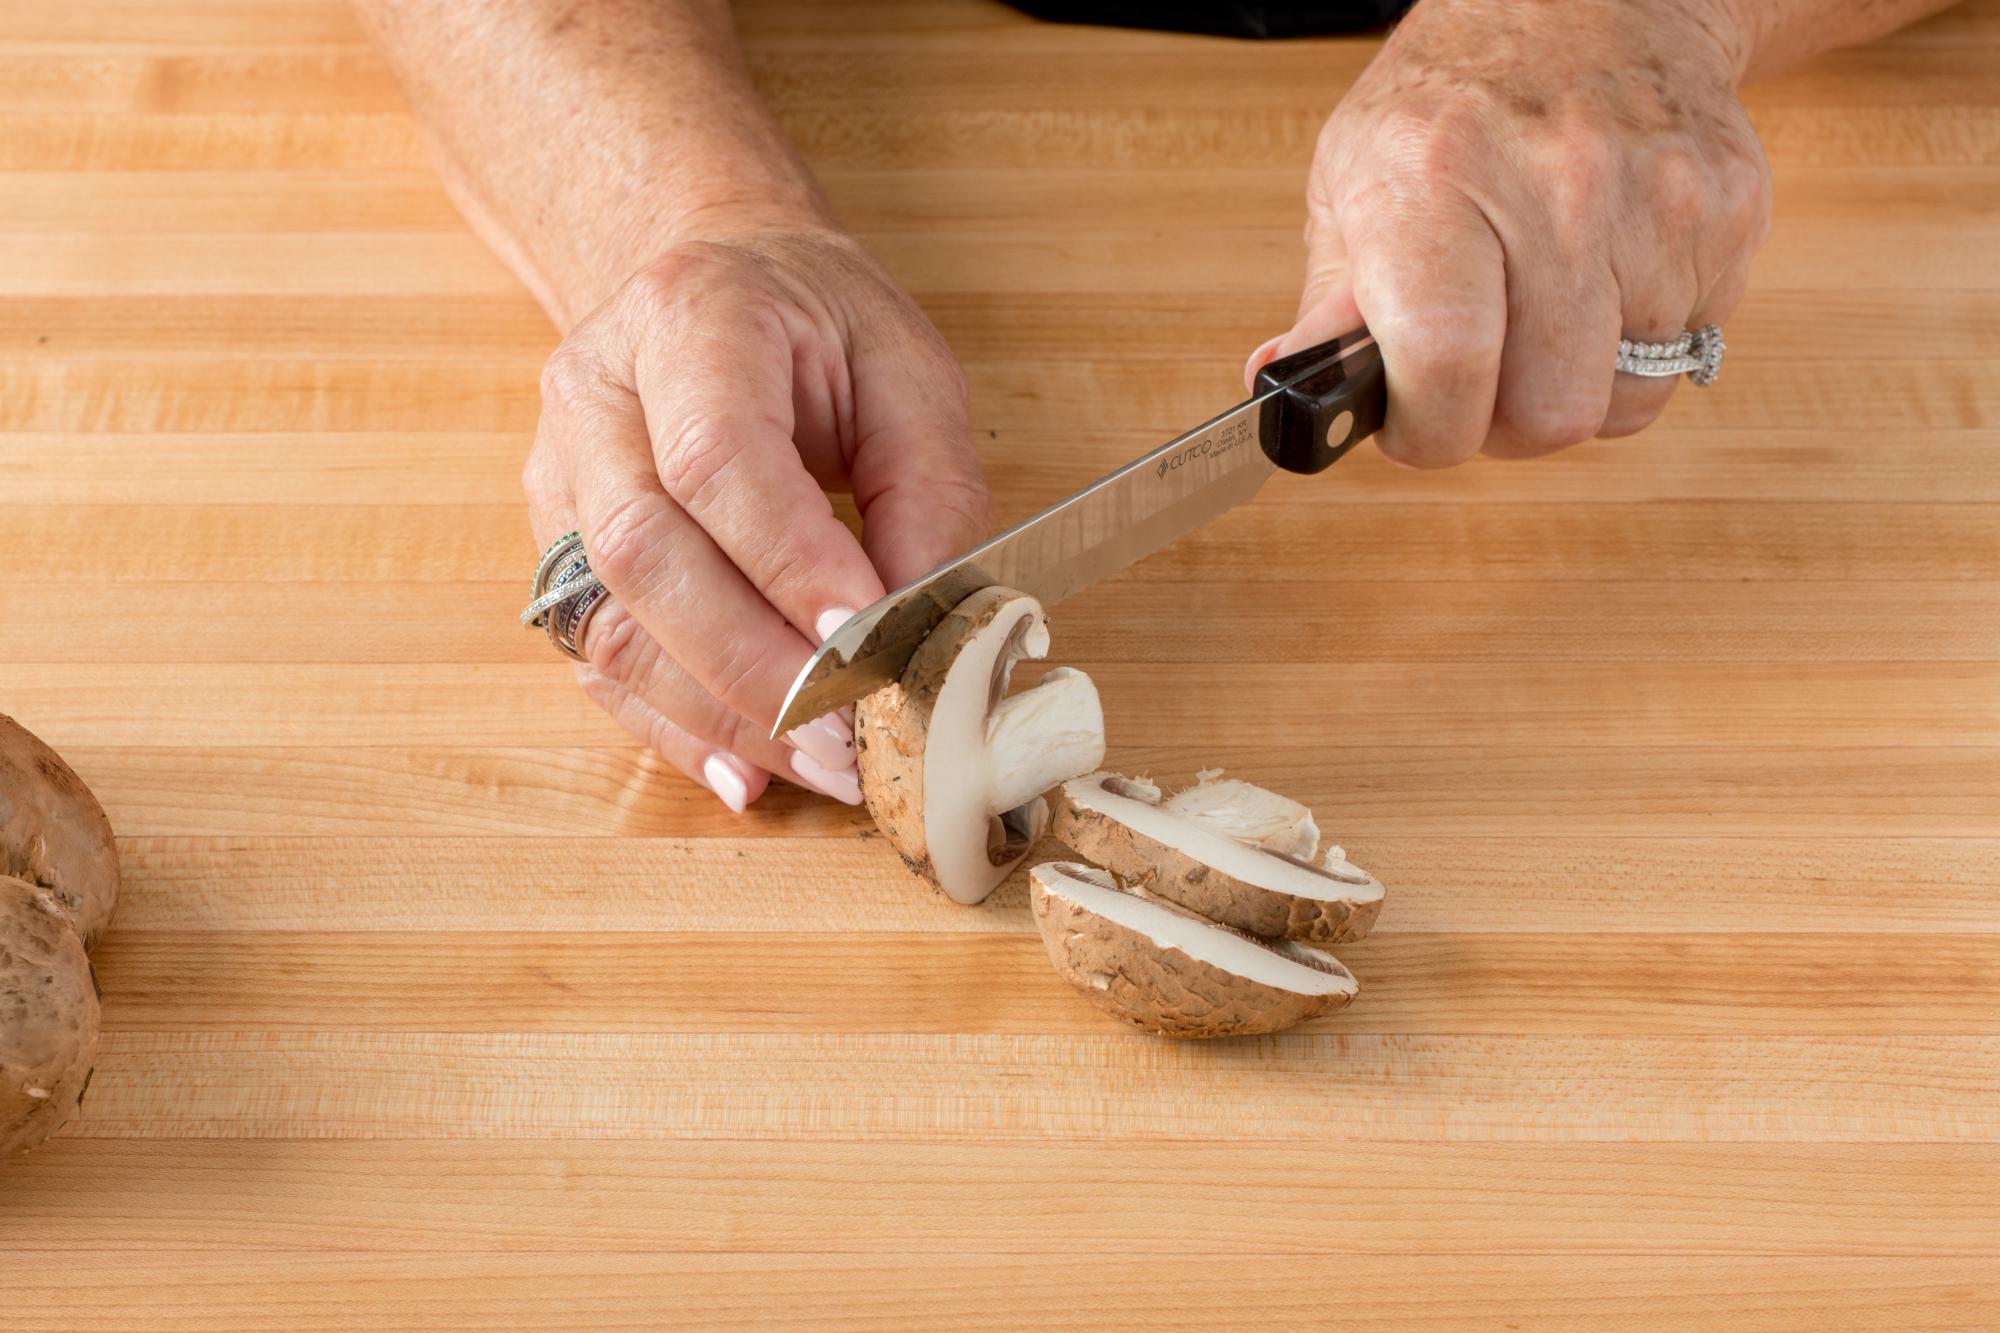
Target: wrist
point(644, 226)
point(1726, 24)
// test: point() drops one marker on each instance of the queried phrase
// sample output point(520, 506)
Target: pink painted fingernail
point(729, 778)
point(832, 619)
point(845, 787)
point(829, 740)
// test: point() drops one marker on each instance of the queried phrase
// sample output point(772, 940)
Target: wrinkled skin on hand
point(690, 429)
point(1510, 188)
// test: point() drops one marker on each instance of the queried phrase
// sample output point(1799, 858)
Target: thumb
point(1326, 304)
point(915, 473)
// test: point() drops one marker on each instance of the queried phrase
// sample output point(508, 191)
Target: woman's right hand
point(690, 430)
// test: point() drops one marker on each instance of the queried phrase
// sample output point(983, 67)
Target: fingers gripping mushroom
point(1234, 853)
point(48, 1016)
point(1164, 969)
point(952, 768)
point(53, 833)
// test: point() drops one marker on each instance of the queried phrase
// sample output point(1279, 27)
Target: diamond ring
point(565, 594)
point(1697, 353)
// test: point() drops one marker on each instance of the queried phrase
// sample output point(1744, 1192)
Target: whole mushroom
point(53, 833)
point(48, 1016)
point(953, 768)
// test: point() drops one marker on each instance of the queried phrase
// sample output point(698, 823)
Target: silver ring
point(564, 593)
point(1697, 353)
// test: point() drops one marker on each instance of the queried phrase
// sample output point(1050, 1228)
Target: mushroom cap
point(923, 747)
point(48, 1016)
point(53, 833)
point(1124, 826)
point(1167, 971)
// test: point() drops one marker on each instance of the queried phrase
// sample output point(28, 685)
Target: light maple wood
point(434, 1003)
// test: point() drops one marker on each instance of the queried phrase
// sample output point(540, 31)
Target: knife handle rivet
point(1336, 429)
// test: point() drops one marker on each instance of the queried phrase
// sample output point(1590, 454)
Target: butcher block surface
point(433, 1000)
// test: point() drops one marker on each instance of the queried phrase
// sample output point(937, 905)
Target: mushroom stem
point(1044, 736)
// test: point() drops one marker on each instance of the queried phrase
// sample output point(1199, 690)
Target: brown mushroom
point(1201, 848)
point(952, 767)
point(53, 833)
point(1168, 971)
point(48, 1016)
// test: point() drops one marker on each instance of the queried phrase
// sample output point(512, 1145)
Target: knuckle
point(731, 677)
point(1679, 188)
point(1435, 143)
point(966, 501)
point(617, 648)
point(624, 543)
point(1580, 180)
point(695, 460)
point(662, 282)
point(569, 377)
point(1441, 347)
point(1554, 423)
point(1746, 197)
point(787, 573)
point(541, 474)
point(735, 733)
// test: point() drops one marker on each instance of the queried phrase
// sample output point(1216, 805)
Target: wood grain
point(300, 1291)
point(434, 1003)
point(909, 1199)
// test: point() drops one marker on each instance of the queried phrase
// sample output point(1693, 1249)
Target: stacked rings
point(565, 594)
point(1697, 353)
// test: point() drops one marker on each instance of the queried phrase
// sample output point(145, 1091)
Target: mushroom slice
point(1192, 859)
point(1162, 968)
point(952, 768)
point(48, 1016)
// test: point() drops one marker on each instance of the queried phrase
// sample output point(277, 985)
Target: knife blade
point(1309, 409)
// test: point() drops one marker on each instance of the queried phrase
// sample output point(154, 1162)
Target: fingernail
point(832, 619)
point(829, 740)
point(840, 786)
point(729, 778)
point(1252, 366)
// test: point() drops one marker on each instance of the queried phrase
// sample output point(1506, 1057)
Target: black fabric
point(1278, 18)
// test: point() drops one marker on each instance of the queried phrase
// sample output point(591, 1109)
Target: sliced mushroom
point(48, 1016)
point(1199, 853)
point(952, 768)
point(53, 833)
point(1162, 968)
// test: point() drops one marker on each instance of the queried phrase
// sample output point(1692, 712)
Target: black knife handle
point(1324, 401)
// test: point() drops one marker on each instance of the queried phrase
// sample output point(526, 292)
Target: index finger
point(718, 398)
point(1430, 281)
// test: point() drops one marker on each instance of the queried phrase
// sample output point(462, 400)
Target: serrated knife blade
point(1110, 524)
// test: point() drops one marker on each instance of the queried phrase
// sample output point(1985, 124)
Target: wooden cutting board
point(432, 1000)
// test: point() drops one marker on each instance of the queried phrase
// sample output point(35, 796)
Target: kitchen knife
point(1309, 409)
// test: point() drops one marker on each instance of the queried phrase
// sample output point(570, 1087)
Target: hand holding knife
point(1310, 408)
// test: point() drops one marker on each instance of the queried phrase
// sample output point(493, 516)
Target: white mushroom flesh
point(1248, 813)
point(1279, 964)
point(989, 758)
point(1200, 839)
